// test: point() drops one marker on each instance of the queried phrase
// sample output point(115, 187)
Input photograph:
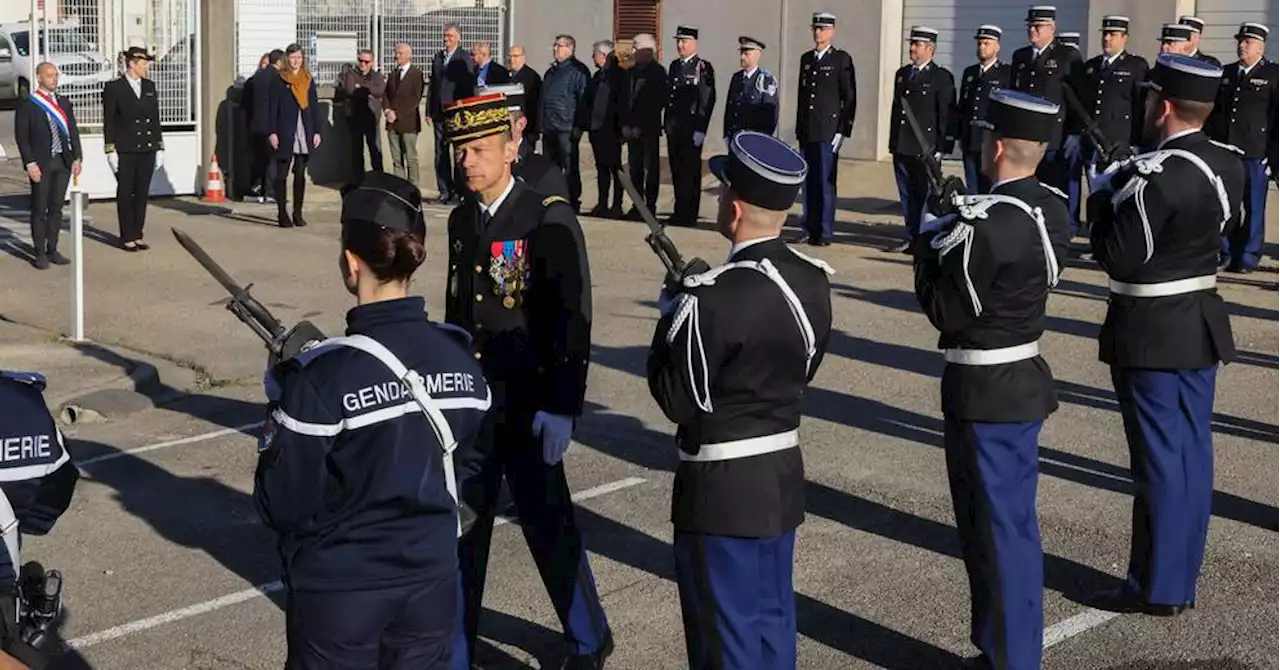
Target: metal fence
point(330, 31)
point(86, 40)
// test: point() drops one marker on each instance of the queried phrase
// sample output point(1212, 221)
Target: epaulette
point(552, 199)
point(456, 332)
point(1055, 190)
point(1229, 147)
point(816, 262)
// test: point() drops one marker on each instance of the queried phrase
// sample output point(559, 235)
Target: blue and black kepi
point(761, 170)
point(1184, 77)
point(386, 200)
point(1020, 116)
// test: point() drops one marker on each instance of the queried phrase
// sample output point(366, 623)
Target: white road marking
point(1069, 628)
point(272, 587)
point(171, 443)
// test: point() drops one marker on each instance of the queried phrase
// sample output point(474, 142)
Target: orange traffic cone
point(213, 189)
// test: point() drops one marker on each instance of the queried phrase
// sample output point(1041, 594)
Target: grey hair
point(605, 47)
point(452, 25)
point(573, 44)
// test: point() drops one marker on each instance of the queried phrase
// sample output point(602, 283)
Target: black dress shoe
point(284, 221)
point(58, 259)
point(900, 248)
point(819, 242)
point(1123, 601)
point(142, 246)
point(593, 661)
point(40, 262)
point(298, 220)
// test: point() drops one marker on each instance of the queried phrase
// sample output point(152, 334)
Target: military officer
point(827, 103)
point(1245, 117)
point(1176, 38)
point(1069, 39)
point(133, 142)
point(1042, 68)
point(983, 277)
point(971, 107)
point(753, 94)
point(689, 108)
point(739, 489)
point(520, 284)
point(534, 169)
point(1197, 32)
point(1166, 329)
point(930, 91)
point(1110, 91)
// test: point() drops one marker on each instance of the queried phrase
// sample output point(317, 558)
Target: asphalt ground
point(168, 567)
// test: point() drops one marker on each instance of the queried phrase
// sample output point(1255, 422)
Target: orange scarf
point(300, 82)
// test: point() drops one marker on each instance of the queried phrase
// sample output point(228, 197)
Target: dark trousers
point(820, 190)
point(133, 188)
point(737, 601)
point(364, 133)
point(992, 470)
point(299, 183)
point(642, 162)
point(46, 205)
point(446, 169)
point(974, 180)
point(685, 158)
point(1074, 173)
point(608, 156)
point(913, 188)
point(1168, 422)
point(400, 628)
point(262, 165)
point(1244, 248)
point(563, 151)
point(541, 496)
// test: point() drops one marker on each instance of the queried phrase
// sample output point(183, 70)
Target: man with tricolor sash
point(49, 144)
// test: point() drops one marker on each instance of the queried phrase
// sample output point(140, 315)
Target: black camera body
point(40, 607)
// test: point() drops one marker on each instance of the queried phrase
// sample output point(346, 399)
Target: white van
point(83, 69)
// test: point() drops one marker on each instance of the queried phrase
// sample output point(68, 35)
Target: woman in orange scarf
point(294, 121)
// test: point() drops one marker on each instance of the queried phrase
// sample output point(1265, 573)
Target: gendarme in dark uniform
point(975, 85)
point(983, 279)
point(689, 108)
point(753, 96)
point(519, 282)
point(1166, 333)
point(739, 489)
point(1245, 116)
point(828, 101)
point(1197, 29)
point(1042, 71)
point(930, 91)
point(133, 142)
point(534, 169)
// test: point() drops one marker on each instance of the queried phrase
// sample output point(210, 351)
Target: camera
point(40, 604)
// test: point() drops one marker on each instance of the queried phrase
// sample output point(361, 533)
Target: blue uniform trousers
point(399, 628)
point(913, 188)
point(992, 468)
point(1244, 248)
point(541, 495)
point(820, 190)
point(1168, 417)
point(1074, 174)
point(737, 601)
point(976, 182)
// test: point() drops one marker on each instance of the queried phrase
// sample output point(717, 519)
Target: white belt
point(751, 446)
point(1020, 352)
point(1164, 288)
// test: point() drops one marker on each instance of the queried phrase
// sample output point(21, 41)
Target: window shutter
point(630, 18)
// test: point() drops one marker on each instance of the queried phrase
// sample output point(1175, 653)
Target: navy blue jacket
point(256, 99)
point(282, 115)
point(563, 102)
point(351, 473)
point(36, 472)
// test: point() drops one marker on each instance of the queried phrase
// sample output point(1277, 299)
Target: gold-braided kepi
point(476, 117)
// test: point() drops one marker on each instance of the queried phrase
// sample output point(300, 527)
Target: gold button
point(479, 298)
point(477, 355)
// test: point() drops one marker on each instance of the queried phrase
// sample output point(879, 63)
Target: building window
point(632, 17)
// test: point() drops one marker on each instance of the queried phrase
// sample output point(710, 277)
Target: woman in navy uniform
point(133, 143)
point(366, 439)
point(983, 277)
point(732, 379)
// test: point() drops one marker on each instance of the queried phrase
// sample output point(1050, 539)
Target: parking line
point(1071, 627)
point(272, 587)
point(171, 443)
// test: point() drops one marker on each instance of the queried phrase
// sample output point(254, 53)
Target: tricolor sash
point(54, 111)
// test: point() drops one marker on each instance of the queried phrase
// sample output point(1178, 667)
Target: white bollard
point(76, 332)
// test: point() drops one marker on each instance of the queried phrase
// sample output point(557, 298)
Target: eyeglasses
point(364, 61)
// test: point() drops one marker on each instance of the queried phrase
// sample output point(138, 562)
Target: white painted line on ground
point(171, 443)
point(272, 587)
point(1069, 628)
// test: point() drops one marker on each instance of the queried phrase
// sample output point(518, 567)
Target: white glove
point(1072, 147)
point(937, 156)
point(698, 138)
point(1099, 182)
point(1265, 167)
point(159, 159)
point(930, 223)
point(113, 160)
point(836, 142)
point(555, 431)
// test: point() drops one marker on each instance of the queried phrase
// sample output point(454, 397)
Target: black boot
point(299, 190)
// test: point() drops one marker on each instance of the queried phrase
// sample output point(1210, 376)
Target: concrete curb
point(147, 382)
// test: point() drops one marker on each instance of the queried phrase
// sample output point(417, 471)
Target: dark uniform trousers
point(686, 176)
point(46, 205)
point(133, 187)
point(820, 189)
point(400, 628)
point(1244, 247)
point(642, 162)
point(563, 149)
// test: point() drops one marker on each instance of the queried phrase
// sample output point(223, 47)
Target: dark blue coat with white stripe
point(37, 476)
point(351, 473)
